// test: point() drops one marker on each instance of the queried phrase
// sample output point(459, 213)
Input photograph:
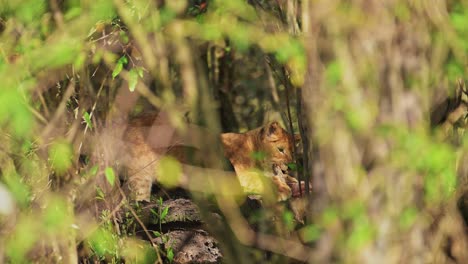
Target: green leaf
point(170, 255)
point(124, 37)
point(361, 234)
point(288, 220)
point(408, 217)
point(310, 233)
point(59, 53)
point(14, 112)
point(99, 193)
point(292, 166)
point(73, 12)
point(454, 70)
point(102, 10)
point(164, 213)
point(119, 66)
point(135, 251)
point(123, 60)
point(154, 212)
point(330, 216)
point(103, 242)
point(110, 176)
point(132, 79)
point(17, 188)
point(60, 156)
point(87, 120)
point(56, 218)
point(26, 233)
point(30, 11)
point(156, 233)
point(333, 73)
point(169, 171)
point(140, 72)
point(93, 170)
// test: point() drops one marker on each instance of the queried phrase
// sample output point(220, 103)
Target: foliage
point(361, 78)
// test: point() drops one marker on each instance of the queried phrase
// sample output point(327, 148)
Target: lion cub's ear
point(273, 128)
point(271, 131)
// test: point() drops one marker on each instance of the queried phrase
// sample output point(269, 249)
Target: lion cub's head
point(277, 144)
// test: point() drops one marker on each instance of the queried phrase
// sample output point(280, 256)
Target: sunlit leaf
point(119, 66)
point(138, 251)
point(110, 175)
point(139, 71)
point(87, 119)
point(164, 213)
point(13, 111)
point(288, 220)
point(24, 236)
point(93, 170)
point(170, 255)
point(60, 156)
point(103, 242)
point(333, 73)
point(19, 190)
point(102, 10)
point(169, 171)
point(59, 53)
point(99, 193)
point(57, 216)
point(310, 233)
point(72, 13)
point(330, 216)
point(361, 234)
point(408, 217)
point(30, 10)
point(454, 70)
point(133, 79)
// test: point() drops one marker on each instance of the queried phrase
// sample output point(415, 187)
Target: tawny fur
point(274, 143)
point(143, 157)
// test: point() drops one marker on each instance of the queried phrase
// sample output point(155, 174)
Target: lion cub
point(267, 148)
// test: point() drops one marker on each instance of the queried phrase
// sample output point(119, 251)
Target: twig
point(92, 110)
point(60, 110)
point(124, 198)
point(288, 108)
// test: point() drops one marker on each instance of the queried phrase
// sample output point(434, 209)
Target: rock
point(179, 210)
point(191, 246)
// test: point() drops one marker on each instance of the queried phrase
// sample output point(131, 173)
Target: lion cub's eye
point(281, 150)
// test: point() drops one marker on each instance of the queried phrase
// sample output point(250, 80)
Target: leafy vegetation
point(376, 89)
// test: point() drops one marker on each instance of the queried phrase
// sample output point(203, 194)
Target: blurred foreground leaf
point(103, 242)
point(110, 175)
point(60, 156)
point(169, 171)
